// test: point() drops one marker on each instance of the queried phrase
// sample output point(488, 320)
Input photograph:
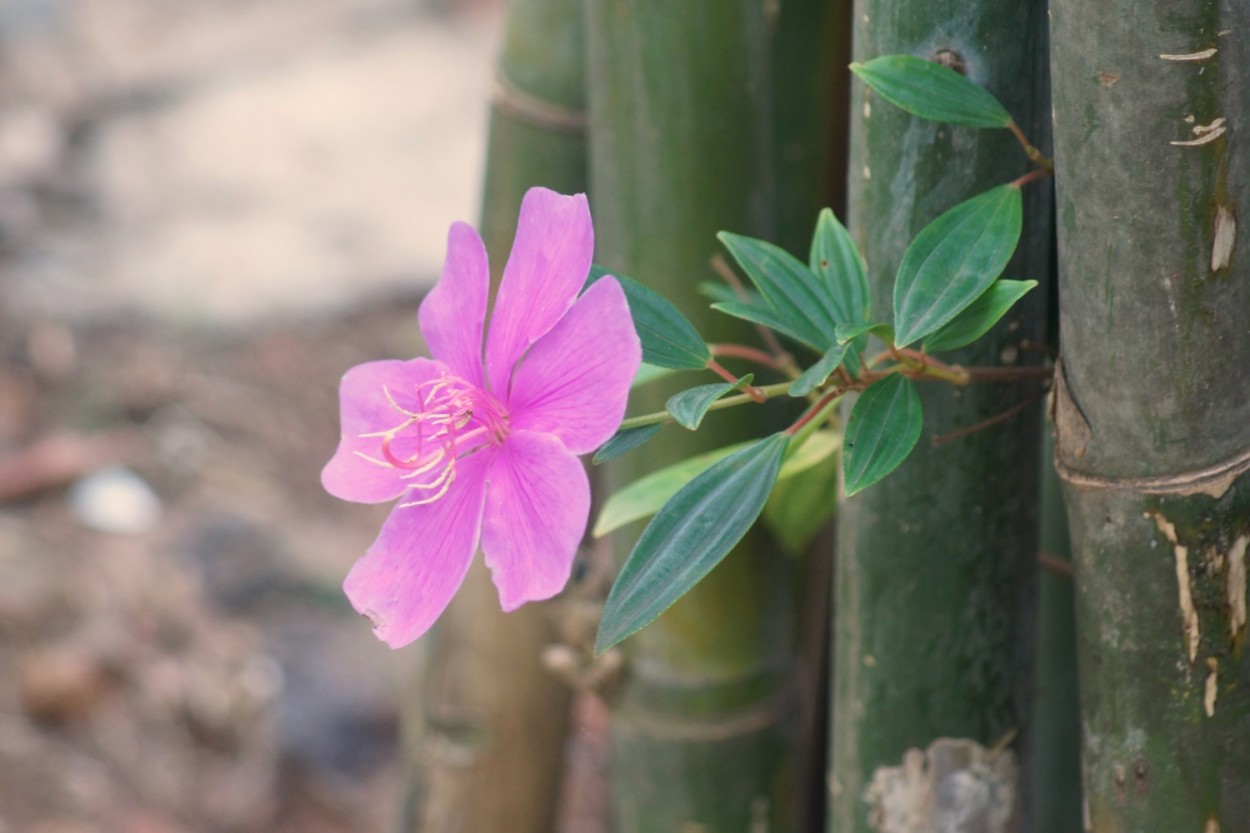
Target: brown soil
point(204, 674)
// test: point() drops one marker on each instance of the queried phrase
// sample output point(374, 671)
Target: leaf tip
point(602, 645)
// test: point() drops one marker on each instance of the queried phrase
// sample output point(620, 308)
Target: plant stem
point(660, 417)
point(815, 409)
point(741, 351)
point(1031, 176)
point(1035, 155)
point(720, 371)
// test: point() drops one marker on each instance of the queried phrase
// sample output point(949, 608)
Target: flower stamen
point(435, 417)
point(448, 477)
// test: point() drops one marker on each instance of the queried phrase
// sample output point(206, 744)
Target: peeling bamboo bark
point(487, 721)
point(1153, 413)
point(936, 564)
point(683, 146)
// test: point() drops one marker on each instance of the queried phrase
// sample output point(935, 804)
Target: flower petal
point(407, 577)
point(357, 470)
point(547, 268)
point(575, 380)
point(536, 510)
point(453, 314)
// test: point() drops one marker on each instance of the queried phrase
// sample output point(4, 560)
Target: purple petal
point(365, 409)
point(405, 580)
point(536, 510)
point(575, 380)
point(453, 313)
point(547, 268)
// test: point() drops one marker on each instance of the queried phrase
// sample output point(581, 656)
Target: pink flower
point(487, 447)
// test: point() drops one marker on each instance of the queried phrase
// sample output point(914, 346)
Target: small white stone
point(115, 500)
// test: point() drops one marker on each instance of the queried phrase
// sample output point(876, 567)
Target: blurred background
point(209, 209)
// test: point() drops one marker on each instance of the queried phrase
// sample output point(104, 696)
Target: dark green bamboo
point(936, 564)
point(1154, 412)
point(682, 146)
point(490, 720)
point(1056, 771)
point(811, 48)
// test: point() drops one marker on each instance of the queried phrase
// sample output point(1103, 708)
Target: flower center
point(444, 419)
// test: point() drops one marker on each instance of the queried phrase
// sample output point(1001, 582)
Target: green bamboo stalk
point(1153, 413)
point(682, 147)
point(936, 564)
point(489, 721)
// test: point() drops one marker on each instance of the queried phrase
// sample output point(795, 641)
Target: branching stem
point(750, 390)
point(661, 417)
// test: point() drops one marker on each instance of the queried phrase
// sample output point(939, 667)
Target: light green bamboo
point(489, 722)
point(936, 564)
point(682, 146)
point(1154, 410)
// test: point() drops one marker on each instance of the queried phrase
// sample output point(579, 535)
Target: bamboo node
point(1073, 435)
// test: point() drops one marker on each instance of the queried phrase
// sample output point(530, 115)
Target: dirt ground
point(176, 307)
point(201, 671)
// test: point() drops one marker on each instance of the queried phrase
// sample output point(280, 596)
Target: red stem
point(1035, 174)
point(750, 390)
point(811, 412)
point(741, 351)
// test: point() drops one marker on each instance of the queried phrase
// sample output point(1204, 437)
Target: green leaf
point(979, 316)
point(953, 260)
point(849, 332)
point(646, 495)
point(816, 375)
point(852, 362)
point(789, 287)
point(773, 320)
point(881, 431)
point(668, 338)
point(932, 91)
point(801, 504)
point(690, 536)
point(835, 260)
point(623, 441)
point(690, 406)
